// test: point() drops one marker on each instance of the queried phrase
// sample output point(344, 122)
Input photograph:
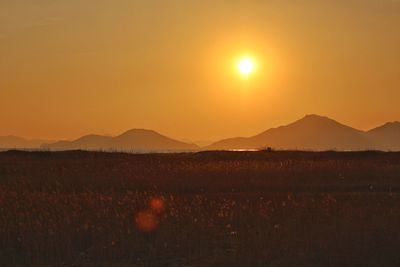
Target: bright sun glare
point(245, 66)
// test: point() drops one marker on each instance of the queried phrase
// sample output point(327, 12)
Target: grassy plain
point(199, 209)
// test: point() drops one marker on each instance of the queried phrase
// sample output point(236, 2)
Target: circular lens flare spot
point(146, 221)
point(157, 205)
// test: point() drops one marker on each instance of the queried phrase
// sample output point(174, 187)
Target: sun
point(245, 66)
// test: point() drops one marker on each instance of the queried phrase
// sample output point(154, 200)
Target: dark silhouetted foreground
point(199, 209)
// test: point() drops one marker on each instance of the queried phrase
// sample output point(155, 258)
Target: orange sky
point(70, 68)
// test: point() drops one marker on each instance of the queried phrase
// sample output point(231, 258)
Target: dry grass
point(218, 209)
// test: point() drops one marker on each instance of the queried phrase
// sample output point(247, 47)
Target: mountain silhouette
point(386, 137)
point(87, 142)
point(10, 142)
point(314, 132)
point(132, 140)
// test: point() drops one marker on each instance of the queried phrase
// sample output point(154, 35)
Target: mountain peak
point(389, 126)
point(138, 131)
point(314, 120)
point(392, 124)
point(312, 132)
point(131, 140)
point(91, 136)
point(315, 117)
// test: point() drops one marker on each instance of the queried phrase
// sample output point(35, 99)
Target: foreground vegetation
point(199, 209)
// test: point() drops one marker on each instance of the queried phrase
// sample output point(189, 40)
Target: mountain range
point(11, 141)
point(139, 140)
point(313, 132)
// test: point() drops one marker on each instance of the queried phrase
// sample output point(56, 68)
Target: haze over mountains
point(11, 141)
point(312, 132)
point(315, 132)
point(132, 140)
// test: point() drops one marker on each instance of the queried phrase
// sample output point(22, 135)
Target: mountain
point(132, 140)
point(312, 132)
point(10, 142)
point(386, 137)
point(87, 142)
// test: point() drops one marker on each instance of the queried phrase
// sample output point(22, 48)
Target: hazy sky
point(73, 67)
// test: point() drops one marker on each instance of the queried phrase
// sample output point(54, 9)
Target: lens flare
point(157, 205)
point(146, 221)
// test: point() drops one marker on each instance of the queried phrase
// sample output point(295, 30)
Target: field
point(200, 209)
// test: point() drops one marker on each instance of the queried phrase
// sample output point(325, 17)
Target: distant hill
point(132, 140)
point(315, 132)
point(386, 137)
point(87, 142)
point(11, 142)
